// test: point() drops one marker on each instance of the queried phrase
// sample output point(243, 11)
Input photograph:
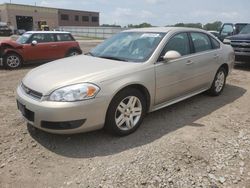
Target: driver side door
point(43, 50)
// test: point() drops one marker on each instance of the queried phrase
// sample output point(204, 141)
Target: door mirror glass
point(34, 42)
point(171, 55)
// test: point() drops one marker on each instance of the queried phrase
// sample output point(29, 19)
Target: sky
point(156, 12)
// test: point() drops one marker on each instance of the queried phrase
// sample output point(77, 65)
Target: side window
point(215, 43)
point(43, 38)
point(201, 42)
point(63, 37)
point(227, 30)
point(179, 43)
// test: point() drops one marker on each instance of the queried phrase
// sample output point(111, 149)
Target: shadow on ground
point(155, 126)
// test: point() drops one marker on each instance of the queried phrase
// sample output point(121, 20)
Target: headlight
point(77, 92)
point(227, 41)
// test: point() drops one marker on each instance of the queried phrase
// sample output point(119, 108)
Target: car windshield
point(246, 30)
point(129, 46)
point(23, 39)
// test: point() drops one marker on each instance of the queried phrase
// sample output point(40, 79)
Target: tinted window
point(215, 43)
point(179, 43)
point(64, 37)
point(64, 17)
point(43, 37)
point(201, 42)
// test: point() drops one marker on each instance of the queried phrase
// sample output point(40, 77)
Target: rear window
point(215, 43)
point(201, 42)
point(64, 37)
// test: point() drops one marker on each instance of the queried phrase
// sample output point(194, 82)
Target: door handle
point(53, 45)
point(216, 56)
point(189, 62)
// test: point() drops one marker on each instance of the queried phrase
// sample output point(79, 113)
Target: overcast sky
point(156, 12)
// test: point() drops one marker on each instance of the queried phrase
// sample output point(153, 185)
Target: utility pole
point(10, 1)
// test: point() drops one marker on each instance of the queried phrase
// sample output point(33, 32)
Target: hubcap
point(219, 83)
point(128, 113)
point(13, 61)
point(73, 53)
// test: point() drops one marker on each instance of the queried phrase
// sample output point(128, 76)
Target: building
point(29, 17)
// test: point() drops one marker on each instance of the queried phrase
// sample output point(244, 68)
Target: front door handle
point(189, 62)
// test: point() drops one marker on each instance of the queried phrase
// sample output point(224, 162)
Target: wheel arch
point(140, 87)
point(226, 67)
point(73, 49)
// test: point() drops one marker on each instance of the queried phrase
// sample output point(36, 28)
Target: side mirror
point(171, 55)
point(34, 43)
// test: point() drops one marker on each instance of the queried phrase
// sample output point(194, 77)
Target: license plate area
point(29, 115)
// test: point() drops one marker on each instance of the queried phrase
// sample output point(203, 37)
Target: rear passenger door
point(205, 59)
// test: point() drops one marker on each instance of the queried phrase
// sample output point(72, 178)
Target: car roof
point(164, 29)
point(50, 32)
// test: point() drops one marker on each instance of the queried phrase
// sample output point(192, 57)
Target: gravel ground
point(201, 142)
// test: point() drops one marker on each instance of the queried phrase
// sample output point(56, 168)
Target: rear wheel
point(12, 61)
point(73, 53)
point(126, 112)
point(218, 83)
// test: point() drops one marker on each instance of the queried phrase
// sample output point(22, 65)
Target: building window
point(65, 17)
point(85, 19)
point(77, 18)
point(95, 19)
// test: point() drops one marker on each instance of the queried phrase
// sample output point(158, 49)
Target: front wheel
point(12, 61)
point(218, 83)
point(126, 112)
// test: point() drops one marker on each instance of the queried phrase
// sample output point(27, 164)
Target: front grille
point(31, 92)
point(240, 44)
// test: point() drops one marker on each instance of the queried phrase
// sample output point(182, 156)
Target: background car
point(215, 33)
point(240, 43)
point(132, 73)
point(38, 46)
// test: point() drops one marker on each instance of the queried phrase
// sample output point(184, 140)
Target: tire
point(12, 61)
point(218, 83)
point(73, 52)
point(126, 112)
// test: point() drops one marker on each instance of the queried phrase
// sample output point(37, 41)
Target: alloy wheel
point(128, 113)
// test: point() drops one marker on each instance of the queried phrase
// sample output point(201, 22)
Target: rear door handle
point(189, 62)
point(53, 45)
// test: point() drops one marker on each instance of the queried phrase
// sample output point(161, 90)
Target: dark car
point(5, 30)
point(240, 42)
point(229, 29)
point(38, 46)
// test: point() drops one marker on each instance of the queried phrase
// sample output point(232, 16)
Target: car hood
point(240, 37)
point(10, 42)
point(73, 70)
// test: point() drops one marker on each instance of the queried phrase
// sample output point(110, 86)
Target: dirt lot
point(201, 142)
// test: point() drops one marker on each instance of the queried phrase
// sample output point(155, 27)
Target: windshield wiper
point(113, 58)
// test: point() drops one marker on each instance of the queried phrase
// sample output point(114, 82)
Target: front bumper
point(92, 113)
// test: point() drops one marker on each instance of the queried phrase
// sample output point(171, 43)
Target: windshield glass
point(129, 46)
point(246, 30)
point(23, 39)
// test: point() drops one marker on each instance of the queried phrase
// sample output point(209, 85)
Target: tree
point(213, 26)
point(140, 25)
point(194, 25)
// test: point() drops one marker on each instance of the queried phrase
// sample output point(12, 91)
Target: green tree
point(140, 25)
point(213, 26)
point(194, 25)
